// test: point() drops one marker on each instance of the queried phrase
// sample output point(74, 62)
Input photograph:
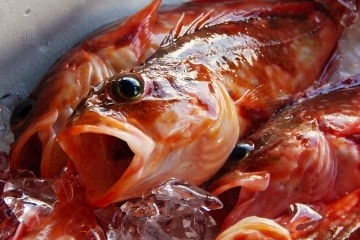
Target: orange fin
point(312, 92)
point(137, 26)
point(264, 97)
point(257, 105)
point(180, 29)
point(234, 13)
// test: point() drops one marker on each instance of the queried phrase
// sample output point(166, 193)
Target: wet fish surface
point(306, 159)
point(211, 74)
point(123, 44)
point(180, 113)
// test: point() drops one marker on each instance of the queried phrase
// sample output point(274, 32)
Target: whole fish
point(37, 121)
point(180, 113)
point(307, 154)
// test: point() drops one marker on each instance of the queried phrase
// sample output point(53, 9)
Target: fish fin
point(137, 26)
point(345, 12)
point(352, 131)
point(182, 29)
point(254, 181)
point(258, 104)
point(246, 13)
point(337, 212)
point(314, 91)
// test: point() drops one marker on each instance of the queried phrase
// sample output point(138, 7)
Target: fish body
point(37, 121)
point(180, 113)
point(307, 154)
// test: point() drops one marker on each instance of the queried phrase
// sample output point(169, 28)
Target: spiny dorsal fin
point(132, 27)
point(234, 12)
point(180, 29)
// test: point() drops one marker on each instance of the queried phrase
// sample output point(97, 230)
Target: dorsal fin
point(180, 29)
point(134, 26)
point(236, 14)
point(353, 81)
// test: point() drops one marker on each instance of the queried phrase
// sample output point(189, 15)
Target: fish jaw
point(107, 175)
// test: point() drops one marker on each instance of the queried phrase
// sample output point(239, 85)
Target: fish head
point(290, 160)
point(134, 131)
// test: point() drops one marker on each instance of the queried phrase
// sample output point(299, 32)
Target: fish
point(305, 157)
point(37, 121)
point(180, 113)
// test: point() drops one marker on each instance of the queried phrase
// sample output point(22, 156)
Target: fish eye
point(241, 150)
point(20, 113)
point(128, 86)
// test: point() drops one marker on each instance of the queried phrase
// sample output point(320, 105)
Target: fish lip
point(117, 189)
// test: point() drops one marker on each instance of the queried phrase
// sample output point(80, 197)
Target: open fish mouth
point(108, 156)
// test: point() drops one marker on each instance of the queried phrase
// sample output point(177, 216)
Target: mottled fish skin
point(308, 153)
point(119, 46)
point(204, 88)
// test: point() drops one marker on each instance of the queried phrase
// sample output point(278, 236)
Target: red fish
point(37, 121)
point(180, 113)
point(307, 154)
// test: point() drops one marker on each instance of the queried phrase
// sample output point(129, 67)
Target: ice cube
point(26, 194)
point(173, 210)
point(110, 219)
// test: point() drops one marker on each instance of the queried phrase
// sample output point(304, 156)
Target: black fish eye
point(241, 150)
point(128, 86)
point(20, 113)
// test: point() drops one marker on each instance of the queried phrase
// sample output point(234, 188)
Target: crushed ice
point(173, 210)
point(25, 194)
